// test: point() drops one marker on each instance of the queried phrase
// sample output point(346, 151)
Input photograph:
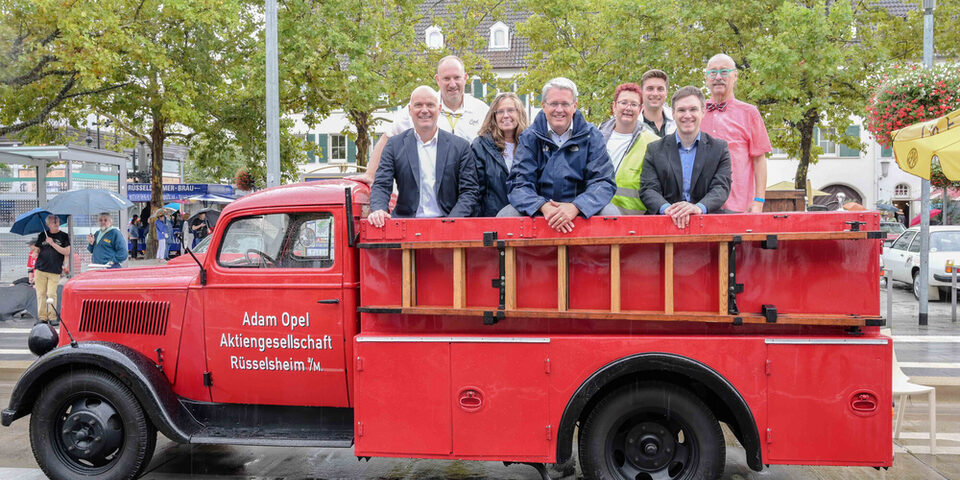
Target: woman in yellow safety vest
point(626, 137)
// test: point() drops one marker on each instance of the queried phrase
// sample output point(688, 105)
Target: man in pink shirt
point(740, 124)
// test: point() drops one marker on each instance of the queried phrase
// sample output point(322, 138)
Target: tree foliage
point(804, 63)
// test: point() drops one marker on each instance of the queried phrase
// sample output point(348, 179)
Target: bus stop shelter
point(32, 175)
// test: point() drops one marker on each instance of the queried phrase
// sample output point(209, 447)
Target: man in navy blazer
point(687, 173)
point(435, 171)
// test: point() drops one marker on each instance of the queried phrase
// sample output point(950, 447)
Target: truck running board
point(271, 425)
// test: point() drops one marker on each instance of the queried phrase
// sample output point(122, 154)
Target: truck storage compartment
point(462, 397)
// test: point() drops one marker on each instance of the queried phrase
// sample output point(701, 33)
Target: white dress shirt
point(463, 122)
point(427, 153)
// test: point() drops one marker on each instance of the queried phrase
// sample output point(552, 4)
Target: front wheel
point(88, 425)
point(651, 431)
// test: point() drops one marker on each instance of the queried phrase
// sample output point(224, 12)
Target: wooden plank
point(723, 258)
point(748, 318)
point(629, 240)
point(614, 278)
point(563, 284)
point(406, 278)
point(459, 278)
point(510, 276)
point(668, 278)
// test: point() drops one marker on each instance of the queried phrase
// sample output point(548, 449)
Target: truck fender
point(668, 367)
point(131, 367)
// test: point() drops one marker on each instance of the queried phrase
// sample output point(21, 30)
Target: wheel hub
point(650, 446)
point(91, 432)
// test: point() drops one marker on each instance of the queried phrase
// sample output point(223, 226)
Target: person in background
point(741, 126)
point(163, 234)
point(626, 138)
point(495, 148)
point(656, 114)
point(134, 233)
point(31, 261)
point(52, 247)
point(199, 227)
point(108, 245)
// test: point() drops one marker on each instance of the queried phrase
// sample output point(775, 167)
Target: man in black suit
point(687, 173)
point(435, 171)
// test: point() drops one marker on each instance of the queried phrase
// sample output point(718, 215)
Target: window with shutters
point(338, 147)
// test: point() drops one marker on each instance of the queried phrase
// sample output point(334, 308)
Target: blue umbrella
point(89, 201)
point(33, 222)
point(173, 206)
point(889, 208)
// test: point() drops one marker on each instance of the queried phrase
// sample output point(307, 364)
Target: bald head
point(424, 111)
point(421, 91)
point(721, 76)
point(451, 80)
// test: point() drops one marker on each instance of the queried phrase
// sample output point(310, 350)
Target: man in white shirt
point(435, 171)
point(462, 113)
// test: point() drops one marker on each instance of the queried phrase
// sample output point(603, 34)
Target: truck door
point(272, 313)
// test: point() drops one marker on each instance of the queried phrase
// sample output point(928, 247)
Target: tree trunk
point(157, 136)
point(361, 120)
point(805, 127)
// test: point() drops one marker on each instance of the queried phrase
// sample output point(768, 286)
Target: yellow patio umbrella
point(916, 147)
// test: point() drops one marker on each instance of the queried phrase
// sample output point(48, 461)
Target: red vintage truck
point(477, 338)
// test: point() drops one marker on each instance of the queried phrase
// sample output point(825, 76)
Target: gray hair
point(422, 89)
point(724, 57)
point(105, 214)
point(563, 83)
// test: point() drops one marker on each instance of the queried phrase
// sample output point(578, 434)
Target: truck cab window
point(279, 240)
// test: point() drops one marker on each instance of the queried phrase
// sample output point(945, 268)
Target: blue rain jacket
point(579, 171)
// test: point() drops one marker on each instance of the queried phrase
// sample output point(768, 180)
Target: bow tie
point(716, 106)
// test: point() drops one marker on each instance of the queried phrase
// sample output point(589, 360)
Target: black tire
point(935, 294)
point(88, 425)
point(635, 432)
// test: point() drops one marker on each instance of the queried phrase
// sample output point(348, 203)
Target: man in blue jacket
point(562, 168)
point(108, 245)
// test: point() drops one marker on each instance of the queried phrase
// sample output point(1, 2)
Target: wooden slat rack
point(728, 288)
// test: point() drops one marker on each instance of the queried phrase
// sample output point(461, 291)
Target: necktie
point(716, 106)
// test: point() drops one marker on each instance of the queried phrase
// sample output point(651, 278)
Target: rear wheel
point(651, 431)
point(88, 425)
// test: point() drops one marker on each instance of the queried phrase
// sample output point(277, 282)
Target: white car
point(903, 258)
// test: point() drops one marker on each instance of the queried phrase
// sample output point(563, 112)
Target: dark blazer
point(492, 175)
point(661, 180)
point(456, 176)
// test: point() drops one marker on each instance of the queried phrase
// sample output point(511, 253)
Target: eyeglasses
point(505, 111)
point(563, 105)
point(723, 73)
point(625, 104)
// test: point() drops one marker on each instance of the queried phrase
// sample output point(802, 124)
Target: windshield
point(945, 241)
point(892, 227)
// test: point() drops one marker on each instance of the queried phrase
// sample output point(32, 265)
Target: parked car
point(893, 230)
point(903, 258)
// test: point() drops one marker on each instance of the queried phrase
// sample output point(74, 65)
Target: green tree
point(574, 39)
point(358, 56)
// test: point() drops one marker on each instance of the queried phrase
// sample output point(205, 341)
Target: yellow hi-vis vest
point(628, 176)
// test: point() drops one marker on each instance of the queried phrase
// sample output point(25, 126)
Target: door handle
point(329, 300)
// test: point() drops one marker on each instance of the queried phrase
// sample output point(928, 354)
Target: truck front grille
point(137, 317)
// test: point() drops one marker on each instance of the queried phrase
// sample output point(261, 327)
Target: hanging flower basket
point(244, 180)
point(909, 94)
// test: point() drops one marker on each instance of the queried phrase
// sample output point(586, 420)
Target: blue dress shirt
point(687, 157)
